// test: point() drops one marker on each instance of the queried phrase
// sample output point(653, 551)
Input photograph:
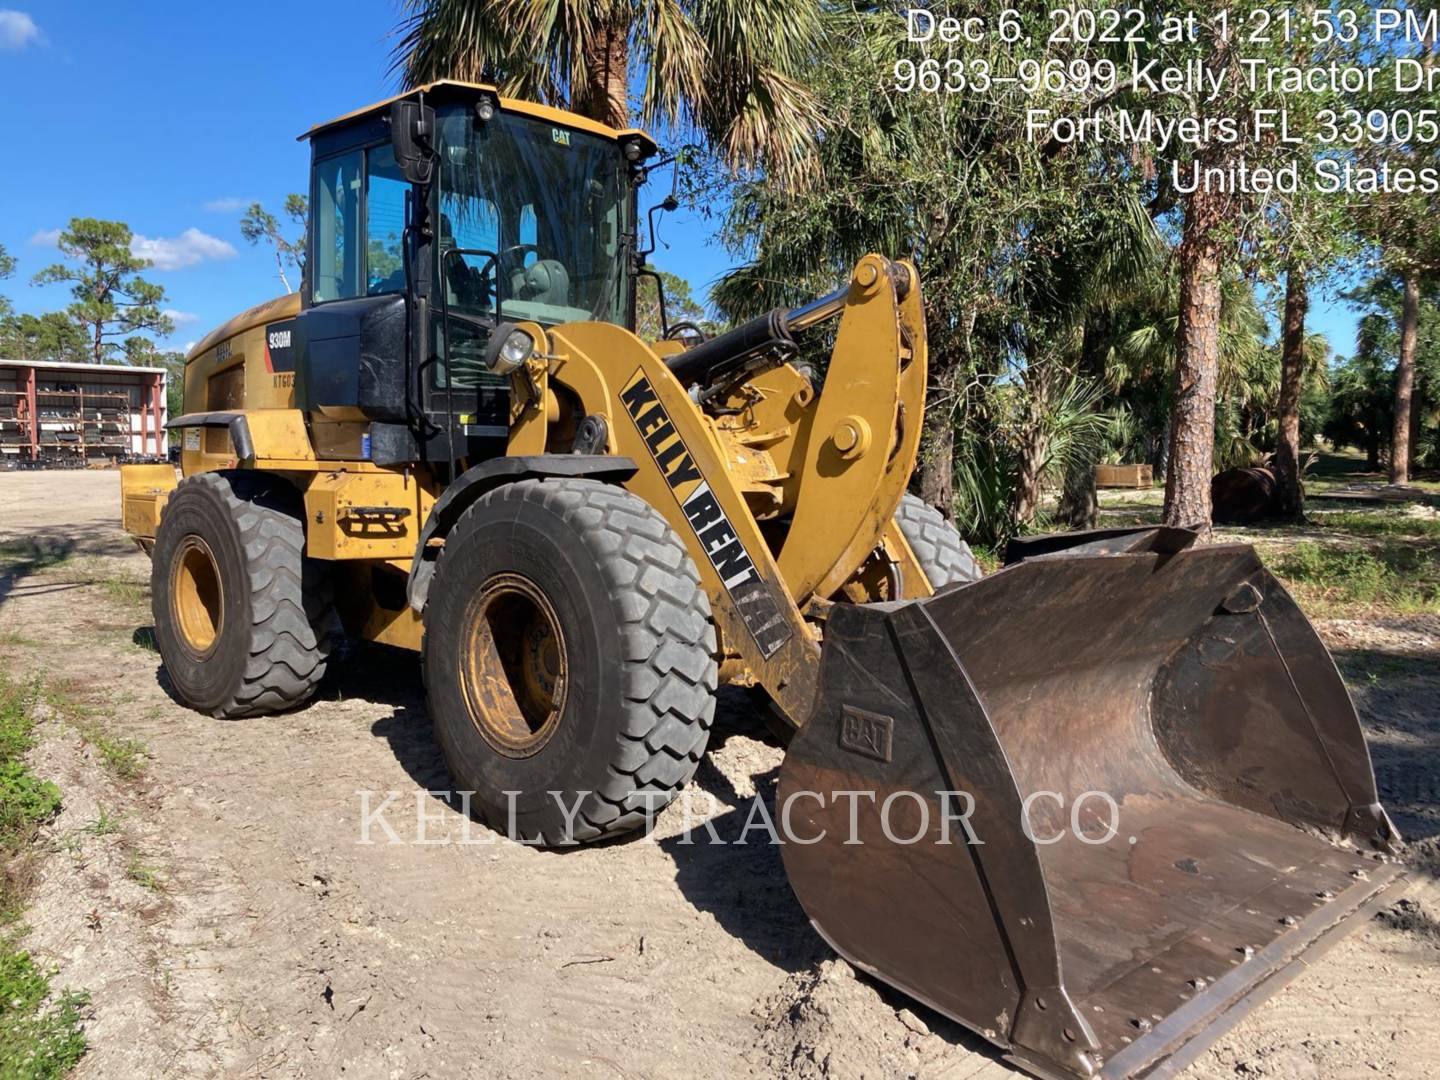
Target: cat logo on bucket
point(732, 563)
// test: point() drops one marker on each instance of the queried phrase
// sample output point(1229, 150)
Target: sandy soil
point(277, 943)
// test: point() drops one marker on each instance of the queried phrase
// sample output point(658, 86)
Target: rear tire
point(943, 556)
point(242, 618)
point(568, 649)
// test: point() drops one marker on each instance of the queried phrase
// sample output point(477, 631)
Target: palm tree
point(1141, 369)
point(725, 69)
point(1362, 395)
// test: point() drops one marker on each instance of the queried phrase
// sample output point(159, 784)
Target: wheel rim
point(513, 665)
point(197, 596)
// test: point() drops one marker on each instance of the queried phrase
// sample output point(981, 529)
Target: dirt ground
point(227, 919)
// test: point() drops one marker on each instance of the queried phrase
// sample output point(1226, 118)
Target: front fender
point(474, 483)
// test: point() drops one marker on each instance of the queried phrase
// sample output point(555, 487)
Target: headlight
point(509, 348)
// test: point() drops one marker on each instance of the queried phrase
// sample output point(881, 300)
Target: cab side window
point(335, 219)
point(385, 190)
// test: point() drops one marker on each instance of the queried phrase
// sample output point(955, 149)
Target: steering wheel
point(504, 257)
point(677, 331)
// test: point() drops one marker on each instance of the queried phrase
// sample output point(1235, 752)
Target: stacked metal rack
point(57, 410)
point(16, 415)
point(77, 415)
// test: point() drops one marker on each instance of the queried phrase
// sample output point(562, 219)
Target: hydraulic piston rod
point(766, 340)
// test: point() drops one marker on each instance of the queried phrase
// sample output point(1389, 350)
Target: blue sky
point(172, 116)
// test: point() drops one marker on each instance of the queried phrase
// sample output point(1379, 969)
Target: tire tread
point(943, 556)
point(290, 601)
point(668, 641)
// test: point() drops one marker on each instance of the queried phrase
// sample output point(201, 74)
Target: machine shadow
point(1397, 695)
point(744, 886)
point(22, 557)
point(389, 676)
point(740, 880)
point(735, 873)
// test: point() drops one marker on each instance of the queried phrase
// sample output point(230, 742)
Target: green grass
point(1378, 523)
point(16, 639)
point(122, 756)
point(989, 558)
point(40, 1032)
point(147, 876)
point(29, 557)
point(26, 801)
point(104, 825)
point(1392, 575)
point(126, 590)
point(40, 1038)
point(100, 574)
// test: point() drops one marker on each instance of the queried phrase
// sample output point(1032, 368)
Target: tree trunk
point(937, 446)
point(1079, 501)
point(98, 348)
point(1035, 446)
point(1192, 433)
point(1028, 486)
point(1405, 381)
point(1417, 417)
point(1292, 377)
point(937, 461)
point(606, 56)
point(1162, 450)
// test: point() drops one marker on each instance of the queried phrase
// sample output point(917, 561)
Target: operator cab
point(434, 218)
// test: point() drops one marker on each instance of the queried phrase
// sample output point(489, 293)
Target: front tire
point(943, 556)
point(569, 660)
point(242, 618)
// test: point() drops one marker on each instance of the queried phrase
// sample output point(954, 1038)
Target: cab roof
point(453, 90)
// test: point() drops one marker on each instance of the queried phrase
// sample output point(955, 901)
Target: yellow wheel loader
point(1094, 806)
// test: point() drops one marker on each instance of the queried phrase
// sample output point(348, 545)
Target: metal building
point(80, 414)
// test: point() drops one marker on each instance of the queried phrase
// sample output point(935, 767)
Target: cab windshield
point(532, 217)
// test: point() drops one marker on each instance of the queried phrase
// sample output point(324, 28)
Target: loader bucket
point(1167, 793)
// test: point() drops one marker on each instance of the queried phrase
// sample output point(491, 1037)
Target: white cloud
point(174, 253)
point(46, 238)
point(17, 30)
point(180, 318)
point(190, 345)
point(227, 204)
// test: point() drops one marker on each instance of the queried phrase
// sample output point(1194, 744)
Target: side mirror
point(667, 205)
point(412, 133)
